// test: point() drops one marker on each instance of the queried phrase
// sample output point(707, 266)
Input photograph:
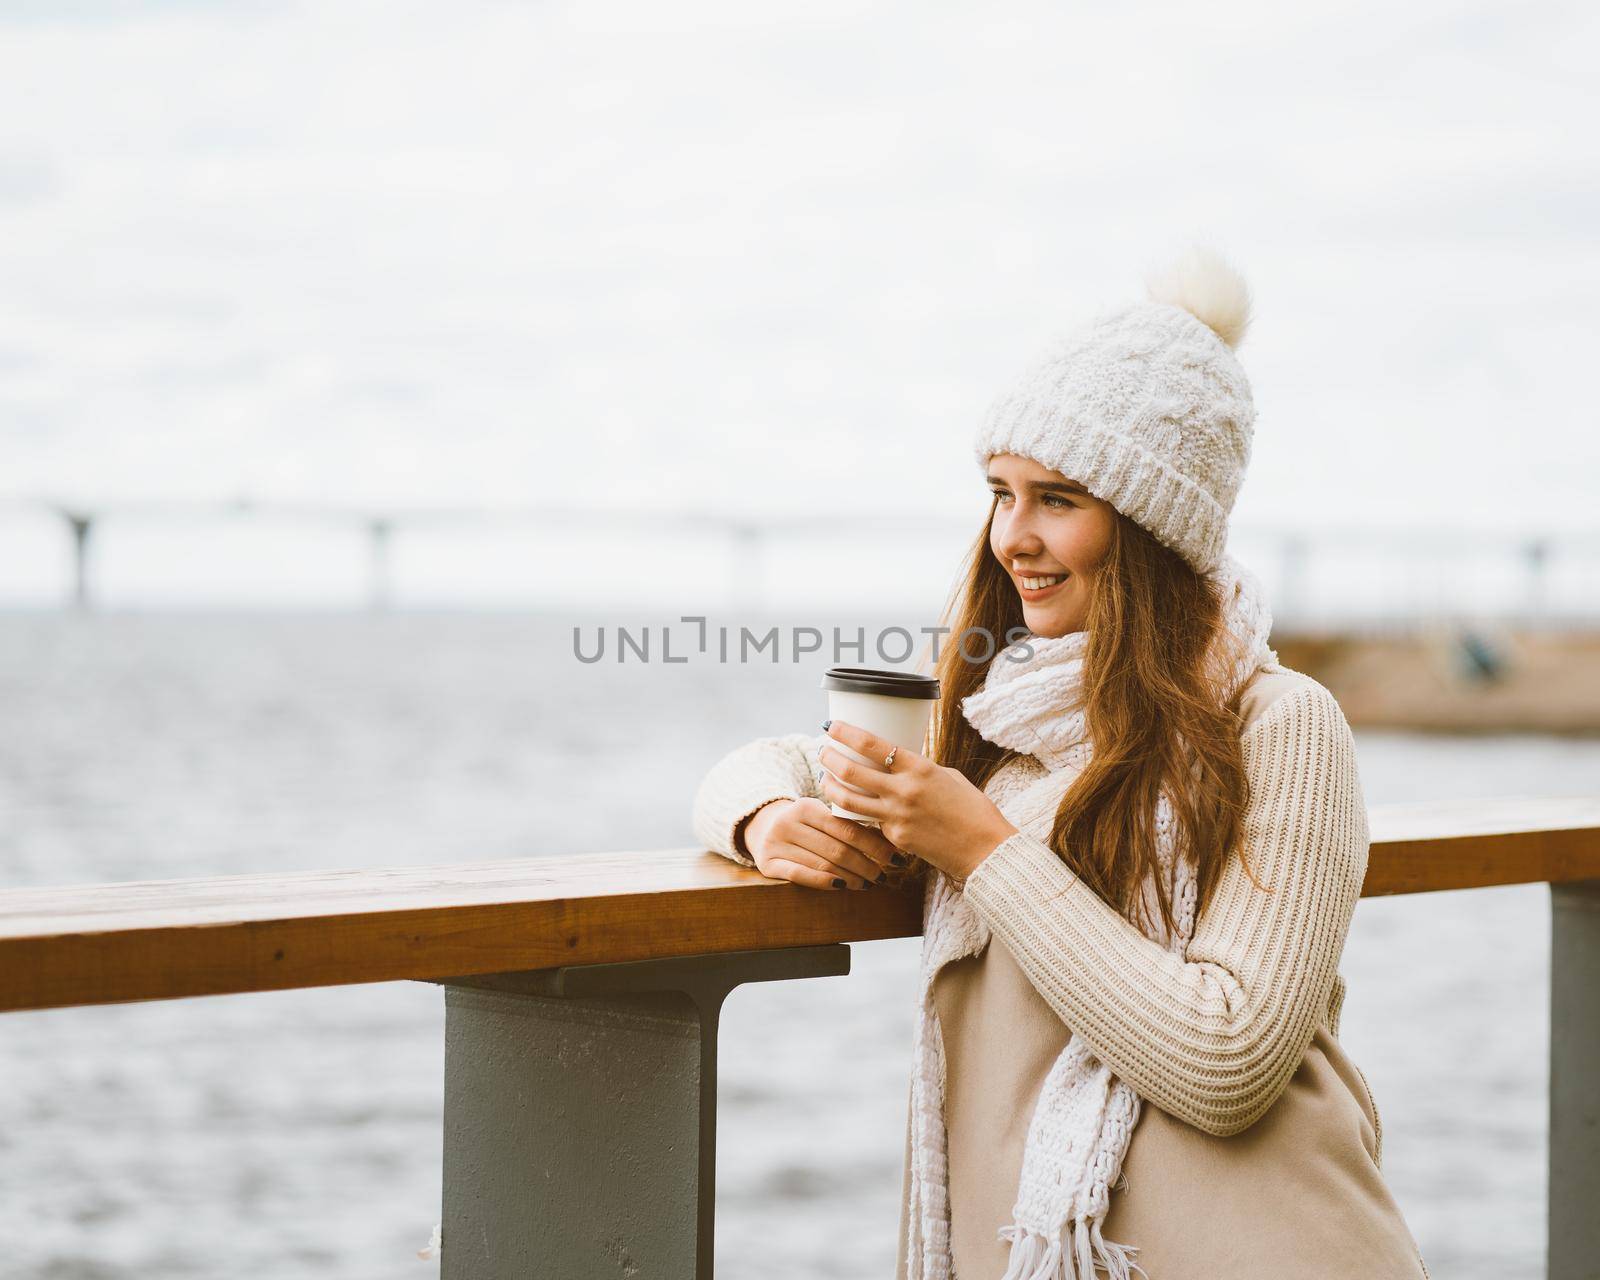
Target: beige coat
point(1298, 1195)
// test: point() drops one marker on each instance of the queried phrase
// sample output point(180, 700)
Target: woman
point(1162, 828)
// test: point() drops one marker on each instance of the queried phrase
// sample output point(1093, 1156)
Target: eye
point(1053, 500)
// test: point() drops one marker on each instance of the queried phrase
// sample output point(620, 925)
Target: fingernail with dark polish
point(882, 876)
point(838, 883)
point(899, 859)
point(825, 725)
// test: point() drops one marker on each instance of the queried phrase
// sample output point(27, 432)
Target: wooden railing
point(582, 996)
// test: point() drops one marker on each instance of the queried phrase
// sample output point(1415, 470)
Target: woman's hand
point(927, 809)
point(806, 842)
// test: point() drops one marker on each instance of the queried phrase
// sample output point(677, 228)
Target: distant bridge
point(1287, 557)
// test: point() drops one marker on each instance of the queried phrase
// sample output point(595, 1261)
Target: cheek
point(1072, 546)
point(1084, 544)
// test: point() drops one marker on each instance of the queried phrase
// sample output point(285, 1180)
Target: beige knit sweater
point(1213, 1038)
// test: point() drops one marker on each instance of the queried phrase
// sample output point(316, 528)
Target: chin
point(1045, 628)
point(1048, 624)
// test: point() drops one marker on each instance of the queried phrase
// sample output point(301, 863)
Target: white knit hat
point(1146, 406)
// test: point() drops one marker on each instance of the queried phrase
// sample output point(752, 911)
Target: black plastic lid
point(895, 684)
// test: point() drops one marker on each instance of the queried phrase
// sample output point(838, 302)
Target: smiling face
point(1050, 532)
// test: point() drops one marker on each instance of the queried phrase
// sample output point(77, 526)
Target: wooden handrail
point(162, 939)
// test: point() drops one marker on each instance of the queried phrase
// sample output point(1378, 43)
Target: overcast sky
point(771, 258)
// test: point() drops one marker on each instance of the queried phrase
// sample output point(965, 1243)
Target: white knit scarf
point(1084, 1118)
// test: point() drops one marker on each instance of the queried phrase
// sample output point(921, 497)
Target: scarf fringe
point(1033, 1257)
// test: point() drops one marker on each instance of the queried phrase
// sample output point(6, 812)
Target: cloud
point(720, 255)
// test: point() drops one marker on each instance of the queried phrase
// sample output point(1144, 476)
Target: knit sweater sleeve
point(1214, 1035)
point(784, 767)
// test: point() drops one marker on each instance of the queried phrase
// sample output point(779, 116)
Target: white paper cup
point(896, 705)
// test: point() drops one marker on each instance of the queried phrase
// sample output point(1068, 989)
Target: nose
point(1014, 537)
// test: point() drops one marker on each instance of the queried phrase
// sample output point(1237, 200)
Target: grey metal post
point(580, 1115)
point(1574, 1226)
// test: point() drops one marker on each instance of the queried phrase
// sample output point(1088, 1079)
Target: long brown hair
point(1152, 708)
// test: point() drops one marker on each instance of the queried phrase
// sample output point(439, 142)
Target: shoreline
point(1457, 678)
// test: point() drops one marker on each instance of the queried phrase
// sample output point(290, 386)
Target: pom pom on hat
point(1205, 285)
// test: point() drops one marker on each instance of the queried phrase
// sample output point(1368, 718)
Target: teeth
point(1033, 584)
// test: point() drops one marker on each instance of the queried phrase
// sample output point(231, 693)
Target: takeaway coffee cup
point(896, 705)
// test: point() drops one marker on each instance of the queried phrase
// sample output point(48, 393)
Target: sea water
point(297, 1134)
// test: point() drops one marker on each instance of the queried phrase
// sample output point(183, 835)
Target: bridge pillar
point(81, 525)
